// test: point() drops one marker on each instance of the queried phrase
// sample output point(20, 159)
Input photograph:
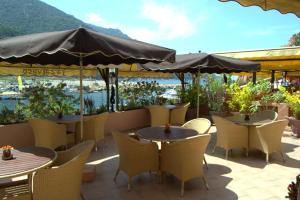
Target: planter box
point(192, 112)
point(19, 135)
point(16, 135)
point(295, 125)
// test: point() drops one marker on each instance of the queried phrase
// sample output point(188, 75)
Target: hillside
point(18, 17)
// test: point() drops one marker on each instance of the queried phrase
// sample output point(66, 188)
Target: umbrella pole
point(198, 92)
point(81, 99)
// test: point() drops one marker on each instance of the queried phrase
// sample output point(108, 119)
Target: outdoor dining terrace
point(247, 148)
point(238, 177)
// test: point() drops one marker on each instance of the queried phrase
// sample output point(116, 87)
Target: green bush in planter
point(242, 98)
point(293, 100)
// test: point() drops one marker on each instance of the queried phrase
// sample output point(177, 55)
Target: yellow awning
point(70, 71)
point(281, 59)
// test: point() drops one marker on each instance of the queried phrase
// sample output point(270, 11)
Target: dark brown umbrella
point(204, 63)
point(80, 47)
point(65, 47)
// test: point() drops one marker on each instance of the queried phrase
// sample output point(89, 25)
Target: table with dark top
point(66, 119)
point(158, 133)
point(25, 161)
point(253, 139)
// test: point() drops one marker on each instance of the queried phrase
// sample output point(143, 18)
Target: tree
point(294, 40)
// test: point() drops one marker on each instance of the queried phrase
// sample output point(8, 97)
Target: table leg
point(30, 185)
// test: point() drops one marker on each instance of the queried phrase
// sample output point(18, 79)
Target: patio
point(238, 177)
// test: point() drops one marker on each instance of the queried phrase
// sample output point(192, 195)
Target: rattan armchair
point(177, 116)
point(48, 134)
point(230, 135)
point(201, 125)
point(160, 115)
point(135, 157)
point(60, 182)
point(270, 137)
point(266, 114)
point(93, 128)
point(184, 159)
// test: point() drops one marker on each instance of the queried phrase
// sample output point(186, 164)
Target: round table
point(158, 133)
point(66, 119)
point(26, 161)
point(253, 138)
point(253, 121)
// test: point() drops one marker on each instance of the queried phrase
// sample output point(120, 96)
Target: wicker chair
point(135, 157)
point(266, 114)
point(184, 159)
point(159, 115)
point(60, 182)
point(49, 134)
point(93, 128)
point(177, 116)
point(230, 135)
point(201, 125)
point(270, 137)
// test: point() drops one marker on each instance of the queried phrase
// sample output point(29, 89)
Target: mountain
point(19, 17)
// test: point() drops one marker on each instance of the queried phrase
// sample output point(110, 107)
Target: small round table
point(158, 133)
point(26, 161)
point(253, 139)
point(66, 119)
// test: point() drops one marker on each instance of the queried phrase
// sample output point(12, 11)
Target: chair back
point(184, 159)
point(201, 125)
point(223, 126)
point(270, 135)
point(266, 114)
point(177, 116)
point(135, 156)
point(93, 127)
point(62, 182)
point(159, 115)
point(48, 134)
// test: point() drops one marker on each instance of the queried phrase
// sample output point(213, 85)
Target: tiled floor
point(239, 177)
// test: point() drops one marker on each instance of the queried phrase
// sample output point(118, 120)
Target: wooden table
point(253, 139)
point(158, 133)
point(66, 119)
point(26, 161)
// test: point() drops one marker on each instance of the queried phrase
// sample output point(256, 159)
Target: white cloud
point(168, 21)
point(96, 19)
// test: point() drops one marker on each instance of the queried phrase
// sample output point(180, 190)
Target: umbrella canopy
point(204, 63)
point(80, 47)
point(283, 6)
point(65, 47)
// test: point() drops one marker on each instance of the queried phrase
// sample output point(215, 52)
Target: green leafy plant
point(45, 102)
point(89, 105)
point(101, 109)
point(293, 100)
point(190, 95)
point(242, 98)
point(136, 95)
point(8, 116)
point(293, 189)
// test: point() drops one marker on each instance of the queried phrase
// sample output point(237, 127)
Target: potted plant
point(242, 99)
point(293, 101)
point(293, 189)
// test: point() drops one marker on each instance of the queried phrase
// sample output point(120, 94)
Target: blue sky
point(188, 26)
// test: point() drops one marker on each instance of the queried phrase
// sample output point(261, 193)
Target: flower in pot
point(6, 152)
